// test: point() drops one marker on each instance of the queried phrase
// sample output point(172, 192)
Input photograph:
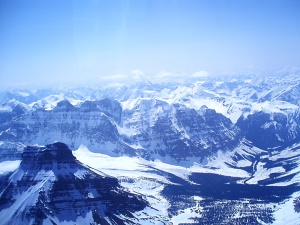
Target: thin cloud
point(124, 79)
point(113, 77)
point(199, 74)
point(137, 75)
point(166, 74)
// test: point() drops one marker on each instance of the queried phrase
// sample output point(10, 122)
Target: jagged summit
point(52, 186)
point(55, 157)
point(64, 106)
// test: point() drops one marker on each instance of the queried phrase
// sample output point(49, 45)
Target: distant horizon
point(121, 41)
point(158, 79)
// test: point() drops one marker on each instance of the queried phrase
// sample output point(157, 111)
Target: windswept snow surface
point(137, 167)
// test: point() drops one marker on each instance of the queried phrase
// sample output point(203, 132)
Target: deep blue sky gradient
point(45, 41)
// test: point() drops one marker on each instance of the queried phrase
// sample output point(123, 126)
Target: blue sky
point(53, 41)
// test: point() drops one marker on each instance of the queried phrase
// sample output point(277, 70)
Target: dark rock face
point(64, 106)
point(44, 158)
point(54, 185)
point(271, 130)
point(178, 131)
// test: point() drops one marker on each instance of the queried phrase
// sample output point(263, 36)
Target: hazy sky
point(49, 41)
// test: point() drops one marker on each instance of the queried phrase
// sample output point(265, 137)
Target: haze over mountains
point(218, 150)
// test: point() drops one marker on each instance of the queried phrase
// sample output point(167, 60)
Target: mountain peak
point(64, 105)
point(51, 185)
point(36, 157)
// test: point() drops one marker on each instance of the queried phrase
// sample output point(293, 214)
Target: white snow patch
point(286, 214)
point(186, 215)
point(9, 166)
point(262, 173)
point(243, 163)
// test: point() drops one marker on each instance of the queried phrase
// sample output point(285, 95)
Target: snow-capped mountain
point(220, 150)
point(152, 128)
point(270, 130)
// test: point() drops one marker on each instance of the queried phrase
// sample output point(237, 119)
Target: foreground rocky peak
point(35, 157)
point(52, 186)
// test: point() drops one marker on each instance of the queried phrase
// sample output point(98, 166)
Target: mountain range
point(220, 150)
